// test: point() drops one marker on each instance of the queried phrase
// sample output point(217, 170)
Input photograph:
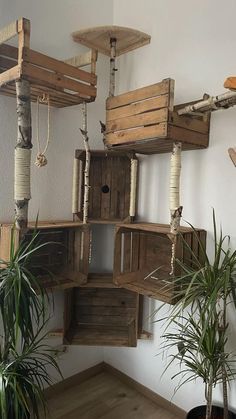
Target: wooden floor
point(104, 396)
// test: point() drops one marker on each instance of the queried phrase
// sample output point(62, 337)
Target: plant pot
point(199, 412)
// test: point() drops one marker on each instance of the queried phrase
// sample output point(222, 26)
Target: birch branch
point(112, 67)
point(84, 132)
point(22, 155)
point(213, 103)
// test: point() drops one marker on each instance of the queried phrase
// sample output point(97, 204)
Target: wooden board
point(103, 316)
point(109, 196)
point(57, 264)
point(99, 37)
point(66, 84)
point(145, 121)
point(142, 248)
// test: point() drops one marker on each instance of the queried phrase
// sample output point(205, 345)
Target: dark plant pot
point(199, 412)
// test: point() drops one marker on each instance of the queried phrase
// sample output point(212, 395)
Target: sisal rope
point(41, 159)
point(133, 186)
point(22, 174)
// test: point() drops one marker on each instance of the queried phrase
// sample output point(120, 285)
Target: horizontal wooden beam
point(83, 59)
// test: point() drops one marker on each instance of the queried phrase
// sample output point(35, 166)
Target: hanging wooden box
point(61, 263)
point(109, 193)
point(101, 317)
point(66, 84)
point(145, 121)
point(144, 247)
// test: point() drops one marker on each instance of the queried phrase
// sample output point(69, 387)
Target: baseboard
point(160, 401)
point(80, 377)
point(76, 379)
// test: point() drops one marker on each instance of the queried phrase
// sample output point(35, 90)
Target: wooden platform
point(142, 248)
point(101, 317)
point(99, 38)
point(58, 264)
point(65, 84)
point(146, 121)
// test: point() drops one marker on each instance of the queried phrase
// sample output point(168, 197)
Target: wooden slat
point(137, 108)
point(12, 74)
point(188, 136)
point(31, 72)
point(137, 134)
point(189, 122)
point(144, 119)
point(9, 51)
point(47, 62)
point(140, 94)
point(8, 32)
point(82, 60)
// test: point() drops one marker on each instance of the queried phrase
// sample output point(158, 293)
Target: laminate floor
point(104, 396)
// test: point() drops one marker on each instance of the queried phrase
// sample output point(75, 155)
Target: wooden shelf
point(99, 280)
point(101, 316)
point(65, 84)
point(142, 248)
point(65, 242)
point(99, 38)
point(146, 121)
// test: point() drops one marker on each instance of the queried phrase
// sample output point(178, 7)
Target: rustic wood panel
point(107, 316)
point(151, 246)
point(66, 84)
point(109, 185)
point(145, 121)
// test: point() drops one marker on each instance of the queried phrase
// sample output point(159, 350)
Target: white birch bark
point(22, 154)
point(112, 67)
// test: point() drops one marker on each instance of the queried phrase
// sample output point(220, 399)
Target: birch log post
point(84, 132)
point(22, 155)
point(133, 187)
point(112, 67)
point(175, 208)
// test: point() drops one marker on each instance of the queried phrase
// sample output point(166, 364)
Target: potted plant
point(200, 322)
point(23, 356)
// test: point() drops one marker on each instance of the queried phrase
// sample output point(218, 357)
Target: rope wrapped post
point(23, 147)
point(175, 208)
point(133, 187)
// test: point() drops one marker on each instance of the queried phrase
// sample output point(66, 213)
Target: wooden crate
point(61, 263)
point(146, 121)
point(109, 193)
point(101, 317)
point(65, 84)
point(142, 248)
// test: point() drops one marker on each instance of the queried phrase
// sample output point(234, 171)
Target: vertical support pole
point(87, 162)
point(133, 186)
point(175, 208)
point(22, 155)
point(112, 67)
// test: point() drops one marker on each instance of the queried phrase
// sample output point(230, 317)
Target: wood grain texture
point(108, 394)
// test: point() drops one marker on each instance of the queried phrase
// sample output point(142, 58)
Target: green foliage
point(199, 318)
point(24, 358)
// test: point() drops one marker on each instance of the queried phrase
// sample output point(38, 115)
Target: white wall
point(192, 42)
point(52, 22)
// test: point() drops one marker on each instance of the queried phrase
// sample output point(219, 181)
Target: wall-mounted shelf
point(109, 192)
point(101, 317)
point(65, 256)
point(146, 121)
point(65, 84)
point(141, 248)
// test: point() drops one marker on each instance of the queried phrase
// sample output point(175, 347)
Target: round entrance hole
point(105, 189)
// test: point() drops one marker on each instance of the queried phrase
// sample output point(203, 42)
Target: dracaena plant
point(24, 358)
point(205, 290)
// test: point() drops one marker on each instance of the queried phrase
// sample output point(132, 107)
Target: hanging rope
point(41, 159)
point(22, 174)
